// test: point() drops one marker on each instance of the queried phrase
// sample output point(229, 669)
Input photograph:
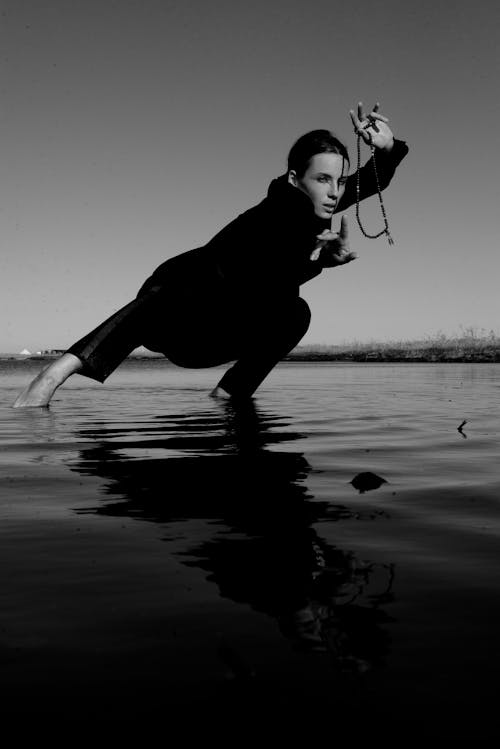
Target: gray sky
point(134, 130)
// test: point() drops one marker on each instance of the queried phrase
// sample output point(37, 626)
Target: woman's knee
point(285, 325)
point(294, 319)
point(303, 314)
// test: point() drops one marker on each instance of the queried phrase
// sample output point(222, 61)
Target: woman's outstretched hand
point(373, 127)
point(333, 248)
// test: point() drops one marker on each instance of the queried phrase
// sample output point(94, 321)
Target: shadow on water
point(217, 465)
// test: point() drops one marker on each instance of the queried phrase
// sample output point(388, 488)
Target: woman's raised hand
point(372, 127)
point(333, 248)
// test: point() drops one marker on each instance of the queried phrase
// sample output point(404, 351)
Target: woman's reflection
point(218, 465)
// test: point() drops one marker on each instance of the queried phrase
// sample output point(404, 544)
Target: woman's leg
point(42, 388)
point(257, 343)
point(95, 356)
point(272, 334)
point(256, 338)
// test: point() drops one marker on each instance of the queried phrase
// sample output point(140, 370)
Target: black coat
point(265, 251)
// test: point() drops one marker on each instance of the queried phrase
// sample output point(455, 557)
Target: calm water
point(164, 546)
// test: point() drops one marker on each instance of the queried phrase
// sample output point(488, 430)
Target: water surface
point(163, 548)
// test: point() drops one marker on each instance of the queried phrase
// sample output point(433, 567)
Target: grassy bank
point(467, 347)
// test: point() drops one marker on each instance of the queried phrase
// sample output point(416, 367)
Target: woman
point(237, 298)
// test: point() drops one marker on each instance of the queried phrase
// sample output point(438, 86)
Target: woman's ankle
point(219, 392)
point(40, 391)
point(62, 368)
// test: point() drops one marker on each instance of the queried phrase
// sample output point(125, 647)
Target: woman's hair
point(317, 141)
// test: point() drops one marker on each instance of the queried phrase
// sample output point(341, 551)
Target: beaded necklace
point(385, 230)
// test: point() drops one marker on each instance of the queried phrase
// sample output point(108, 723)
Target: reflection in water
point(217, 465)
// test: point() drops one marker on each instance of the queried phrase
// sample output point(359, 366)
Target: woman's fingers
point(326, 235)
point(362, 121)
point(357, 120)
point(341, 258)
point(372, 120)
point(359, 126)
point(366, 134)
point(330, 236)
point(356, 123)
point(376, 116)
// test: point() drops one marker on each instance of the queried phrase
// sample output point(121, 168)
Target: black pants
point(195, 329)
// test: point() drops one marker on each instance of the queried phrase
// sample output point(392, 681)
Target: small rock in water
point(367, 481)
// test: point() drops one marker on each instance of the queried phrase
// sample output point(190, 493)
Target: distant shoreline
point(425, 357)
point(410, 358)
point(409, 355)
point(468, 348)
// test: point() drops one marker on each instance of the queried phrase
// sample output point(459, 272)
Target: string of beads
point(385, 230)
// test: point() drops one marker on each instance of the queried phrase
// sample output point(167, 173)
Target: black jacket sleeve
point(265, 252)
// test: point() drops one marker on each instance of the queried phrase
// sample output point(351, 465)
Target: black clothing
point(236, 298)
point(266, 249)
point(197, 337)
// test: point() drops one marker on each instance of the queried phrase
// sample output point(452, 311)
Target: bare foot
point(42, 388)
point(219, 392)
point(38, 393)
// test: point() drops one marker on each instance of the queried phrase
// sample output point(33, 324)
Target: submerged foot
point(42, 388)
point(234, 399)
point(219, 392)
point(38, 393)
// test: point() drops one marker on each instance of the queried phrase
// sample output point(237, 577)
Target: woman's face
point(323, 181)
